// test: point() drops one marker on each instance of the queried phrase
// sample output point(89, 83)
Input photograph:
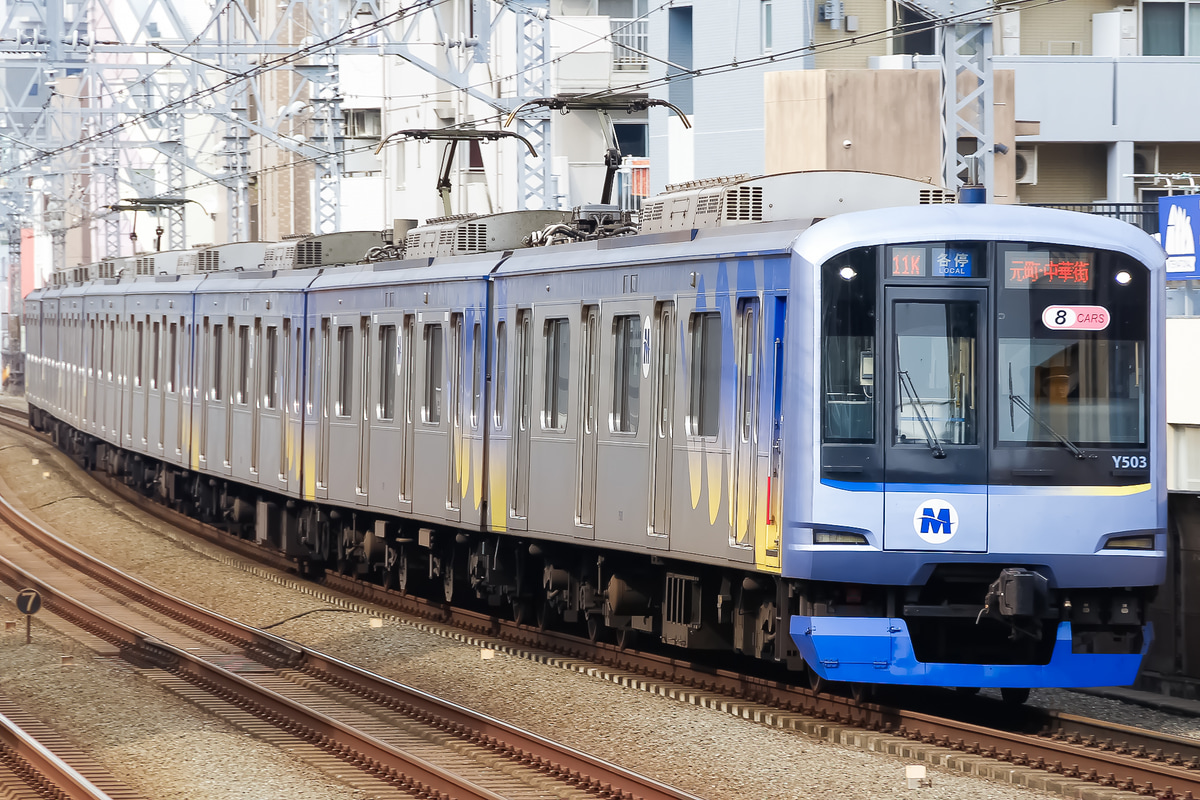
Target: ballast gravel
point(169, 749)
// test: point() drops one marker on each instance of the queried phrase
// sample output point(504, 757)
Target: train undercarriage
point(973, 614)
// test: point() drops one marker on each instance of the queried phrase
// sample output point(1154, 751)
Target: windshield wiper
point(1019, 402)
point(909, 389)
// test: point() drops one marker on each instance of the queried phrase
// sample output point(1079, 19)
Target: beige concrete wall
point(891, 118)
point(1060, 29)
point(872, 16)
point(1068, 173)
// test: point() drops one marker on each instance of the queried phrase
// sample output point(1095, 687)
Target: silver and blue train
point(828, 419)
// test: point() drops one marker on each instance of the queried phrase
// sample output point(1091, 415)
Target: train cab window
point(345, 386)
point(1072, 348)
point(704, 399)
point(627, 373)
point(218, 361)
point(501, 373)
point(387, 372)
point(271, 375)
point(848, 291)
point(432, 410)
point(243, 380)
point(557, 334)
point(937, 366)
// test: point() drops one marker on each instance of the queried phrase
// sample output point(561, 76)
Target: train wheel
point(595, 626)
point(545, 615)
point(1014, 695)
point(448, 578)
point(862, 692)
point(816, 683)
point(520, 610)
point(626, 637)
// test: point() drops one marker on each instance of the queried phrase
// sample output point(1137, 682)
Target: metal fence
point(1143, 215)
point(631, 42)
point(633, 183)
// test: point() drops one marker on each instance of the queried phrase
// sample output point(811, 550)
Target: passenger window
point(627, 373)
point(848, 347)
point(217, 361)
point(271, 376)
point(557, 333)
point(431, 412)
point(704, 402)
point(501, 373)
point(387, 372)
point(476, 382)
point(345, 340)
point(172, 356)
point(243, 381)
point(137, 369)
point(155, 343)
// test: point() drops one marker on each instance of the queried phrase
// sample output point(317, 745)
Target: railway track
point(32, 764)
point(1065, 748)
point(400, 738)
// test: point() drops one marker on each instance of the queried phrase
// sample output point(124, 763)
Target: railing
point(633, 183)
point(631, 41)
point(1143, 215)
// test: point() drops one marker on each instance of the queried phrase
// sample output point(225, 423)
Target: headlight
point(838, 537)
point(1139, 542)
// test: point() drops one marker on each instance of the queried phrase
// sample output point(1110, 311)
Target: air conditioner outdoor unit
point(1145, 160)
point(1026, 164)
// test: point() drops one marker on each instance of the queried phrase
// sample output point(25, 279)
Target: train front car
point(985, 448)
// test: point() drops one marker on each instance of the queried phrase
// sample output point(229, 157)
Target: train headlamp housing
point(838, 537)
point(1141, 541)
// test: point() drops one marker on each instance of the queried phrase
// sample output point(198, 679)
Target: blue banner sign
point(1178, 226)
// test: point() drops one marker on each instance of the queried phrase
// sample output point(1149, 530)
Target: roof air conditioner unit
point(1026, 163)
point(1145, 160)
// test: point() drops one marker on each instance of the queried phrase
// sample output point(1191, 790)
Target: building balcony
point(631, 42)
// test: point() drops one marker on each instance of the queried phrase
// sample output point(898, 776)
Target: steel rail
point(39, 764)
point(1057, 750)
point(564, 763)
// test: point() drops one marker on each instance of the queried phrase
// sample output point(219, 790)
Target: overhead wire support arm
point(601, 104)
point(453, 136)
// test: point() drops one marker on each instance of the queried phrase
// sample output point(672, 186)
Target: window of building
point(765, 25)
point(1170, 29)
point(558, 374)
point(627, 373)
point(704, 402)
point(345, 388)
point(363, 123)
point(432, 410)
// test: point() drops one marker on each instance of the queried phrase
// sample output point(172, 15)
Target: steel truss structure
point(108, 100)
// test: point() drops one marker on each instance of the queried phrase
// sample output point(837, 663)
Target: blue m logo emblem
point(935, 522)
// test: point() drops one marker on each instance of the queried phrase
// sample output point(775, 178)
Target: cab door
point(936, 456)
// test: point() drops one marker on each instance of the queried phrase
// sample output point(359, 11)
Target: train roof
point(1008, 223)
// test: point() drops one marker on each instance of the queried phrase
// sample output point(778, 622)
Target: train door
point(935, 459)
point(408, 412)
point(585, 508)
point(748, 334)
point(769, 557)
point(386, 437)
point(324, 369)
point(523, 396)
point(662, 353)
point(454, 478)
point(364, 415)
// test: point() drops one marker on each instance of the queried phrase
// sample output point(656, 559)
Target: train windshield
point(1071, 358)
